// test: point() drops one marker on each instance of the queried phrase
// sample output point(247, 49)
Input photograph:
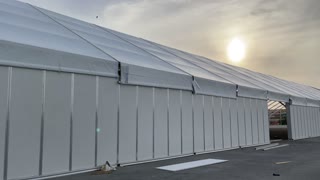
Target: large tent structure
point(74, 95)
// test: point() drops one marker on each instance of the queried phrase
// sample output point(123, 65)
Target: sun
point(236, 50)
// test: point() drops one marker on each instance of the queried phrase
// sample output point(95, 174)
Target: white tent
point(74, 95)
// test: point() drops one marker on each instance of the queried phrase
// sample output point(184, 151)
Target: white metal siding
point(198, 124)
point(25, 123)
point(234, 123)
point(187, 123)
point(128, 124)
point(255, 127)
point(260, 121)
point(84, 118)
point(174, 123)
point(303, 122)
point(3, 114)
point(266, 122)
point(218, 133)
point(208, 123)
point(248, 122)
point(226, 123)
point(145, 123)
point(241, 121)
point(100, 120)
point(108, 100)
point(161, 123)
point(57, 111)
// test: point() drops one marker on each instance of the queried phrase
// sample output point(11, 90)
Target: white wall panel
point(108, 101)
point(260, 120)
point(187, 124)
point(234, 123)
point(208, 123)
point(255, 126)
point(305, 123)
point(3, 114)
point(310, 122)
point(305, 120)
point(25, 123)
point(302, 122)
point(313, 122)
point(299, 122)
point(307, 117)
point(318, 120)
point(241, 122)
point(316, 130)
point(174, 123)
point(161, 123)
point(198, 124)
point(57, 113)
point(266, 122)
point(310, 129)
point(84, 117)
point(127, 124)
point(218, 134)
point(145, 123)
point(292, 122)
point(226, 124)
point(248, 122)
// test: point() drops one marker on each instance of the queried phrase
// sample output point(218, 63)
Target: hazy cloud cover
point(282, 36)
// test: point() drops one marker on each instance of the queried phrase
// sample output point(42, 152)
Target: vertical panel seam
point(221, 108)
point(42, 121)
point(71, 121)
point(7, 133)
point(237, 107)
point(213, 130)
point(137, 122)
point(229, 100)
point(118, 124)
point(258, 127)
point(263, 123)
point(203, 125)
point(168, 121)
point(181, 121)
point(96, 123)
point(153, 122)
point(192, 95)
point(251, 121)
point(245, 121)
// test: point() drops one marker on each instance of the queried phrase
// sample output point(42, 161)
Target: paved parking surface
point(247, 164)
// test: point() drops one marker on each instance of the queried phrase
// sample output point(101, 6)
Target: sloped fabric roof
point(37, 38)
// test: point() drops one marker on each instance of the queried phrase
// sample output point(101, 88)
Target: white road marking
point(192, 164)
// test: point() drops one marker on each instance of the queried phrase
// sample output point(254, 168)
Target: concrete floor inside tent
point(302, 157)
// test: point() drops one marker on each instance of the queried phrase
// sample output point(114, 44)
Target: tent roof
point(37, 38)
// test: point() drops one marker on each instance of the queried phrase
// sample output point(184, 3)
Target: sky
point(282, 37)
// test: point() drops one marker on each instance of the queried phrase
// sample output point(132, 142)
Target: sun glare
point(236, 50)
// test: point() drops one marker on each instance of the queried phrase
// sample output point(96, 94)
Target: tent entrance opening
point(277, 113)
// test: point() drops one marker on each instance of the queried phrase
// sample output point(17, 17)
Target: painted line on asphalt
point(192, 164)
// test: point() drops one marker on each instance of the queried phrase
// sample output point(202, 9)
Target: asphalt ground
point(302, 157)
